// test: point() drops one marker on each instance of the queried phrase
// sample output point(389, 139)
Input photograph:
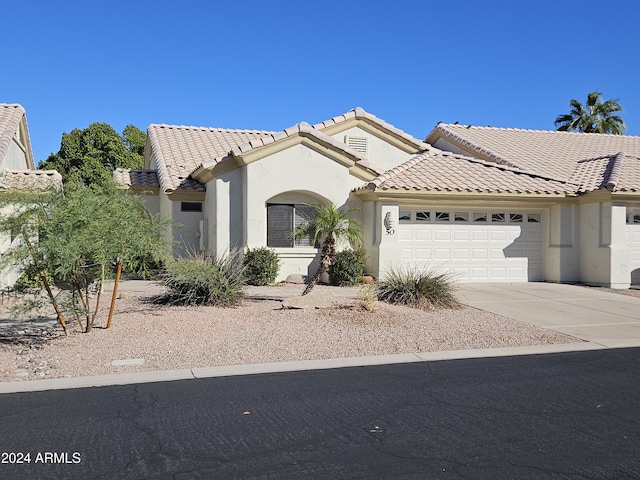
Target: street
point(556, 416)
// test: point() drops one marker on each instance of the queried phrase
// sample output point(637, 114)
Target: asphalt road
point(559, 416)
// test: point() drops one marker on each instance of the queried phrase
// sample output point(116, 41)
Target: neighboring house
point(486, 204)
point(517, 205)
point(17, 169)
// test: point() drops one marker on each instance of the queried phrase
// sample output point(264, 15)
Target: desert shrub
point(367, 298)
point(261, 266)
point(419, 288)
point(204, 280)
point(30, 279)
point(348, 267)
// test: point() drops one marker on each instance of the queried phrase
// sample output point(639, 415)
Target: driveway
point(609, 319)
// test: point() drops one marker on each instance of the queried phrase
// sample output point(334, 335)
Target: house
point(486, 204)
point(17, 169)
point(248, 188)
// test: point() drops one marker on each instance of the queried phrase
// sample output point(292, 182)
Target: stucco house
point(487, 204)
point(17, 169)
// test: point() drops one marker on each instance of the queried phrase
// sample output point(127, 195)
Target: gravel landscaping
point(147, 336)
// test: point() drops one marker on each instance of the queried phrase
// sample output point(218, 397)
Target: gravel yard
point(161, 337)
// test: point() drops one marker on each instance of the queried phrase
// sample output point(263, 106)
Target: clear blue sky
point(273, 63)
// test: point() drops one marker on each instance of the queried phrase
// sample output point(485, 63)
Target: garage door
point(633, 241)
point(474, 245)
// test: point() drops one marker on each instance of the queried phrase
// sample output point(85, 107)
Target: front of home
point(486, 204)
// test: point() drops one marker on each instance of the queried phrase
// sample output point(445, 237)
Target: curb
point(275, 367)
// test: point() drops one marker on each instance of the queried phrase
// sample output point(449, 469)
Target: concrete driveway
point(609, 319)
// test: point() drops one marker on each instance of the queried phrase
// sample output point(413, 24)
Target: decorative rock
point(295, 278)
point(367, 279)
point(312, 300)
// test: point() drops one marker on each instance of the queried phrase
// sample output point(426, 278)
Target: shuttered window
point(282, 219)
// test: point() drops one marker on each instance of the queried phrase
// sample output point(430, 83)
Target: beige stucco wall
point(236, 201)
point(561, 250)
point(605, 258)
point(296, 169)
point(379, 152)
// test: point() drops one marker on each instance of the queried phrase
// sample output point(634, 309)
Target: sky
point(267, 65)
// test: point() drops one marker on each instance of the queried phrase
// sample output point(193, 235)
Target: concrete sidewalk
point(600, 319)
point(608, 319)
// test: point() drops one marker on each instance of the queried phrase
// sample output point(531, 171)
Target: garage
point(475, 245)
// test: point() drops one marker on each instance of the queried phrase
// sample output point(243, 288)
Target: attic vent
point(359, 144)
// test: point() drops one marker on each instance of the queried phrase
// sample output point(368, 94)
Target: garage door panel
point(442, 235)
point(423, 235)
point(423, 254)
point(442, 254)
point(498, 236)
point(461, 254)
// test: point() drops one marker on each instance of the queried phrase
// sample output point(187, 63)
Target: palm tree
point(329, 225)
point(594, 117)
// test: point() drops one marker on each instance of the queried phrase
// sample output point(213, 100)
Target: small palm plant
point(329, 225)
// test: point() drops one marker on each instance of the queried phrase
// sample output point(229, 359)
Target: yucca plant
point(418, 287)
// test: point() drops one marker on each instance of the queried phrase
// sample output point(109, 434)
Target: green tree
point(596, 116)
point(329, 225)
point(76, 236)
point(89, 156)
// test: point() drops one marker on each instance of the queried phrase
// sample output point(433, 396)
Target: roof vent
point(359, 144)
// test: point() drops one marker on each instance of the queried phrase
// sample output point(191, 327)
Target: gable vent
point(359, 144)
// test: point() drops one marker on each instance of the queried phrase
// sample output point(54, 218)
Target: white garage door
point(474, 245)
point(633, 241)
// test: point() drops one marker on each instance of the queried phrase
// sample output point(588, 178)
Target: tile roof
point(30, 179)
point(136, 178)
point(447, 172)
point(11, 114)
point(179, 150)
point(582, 158)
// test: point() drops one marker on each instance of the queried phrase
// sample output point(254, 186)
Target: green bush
point(31, 279)
point(203, 280)
point(348, 267)
point(261, 266)
point(419, 288)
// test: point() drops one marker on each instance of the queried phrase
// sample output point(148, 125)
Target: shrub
point(348, 267)
point(30, 279)
point(261, 266)
point(204, 280)
point(367, 298)
point(419, 288)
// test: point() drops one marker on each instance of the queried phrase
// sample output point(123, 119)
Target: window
point(533, 218)
point(461, 216)
point(515, 217)
point(442, 216)
point(479, 217)
point(191, 206)
point(423, 216)
point(405, 215)
point(497, 217)
point(633, 218)
point(282, 219)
